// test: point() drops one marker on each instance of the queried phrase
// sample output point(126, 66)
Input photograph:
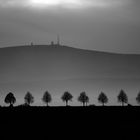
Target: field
point(86, 122)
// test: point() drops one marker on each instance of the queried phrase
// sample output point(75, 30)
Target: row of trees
point(66, 97)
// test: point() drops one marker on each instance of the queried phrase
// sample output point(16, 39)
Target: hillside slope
point(62, 67)
point(48, 62)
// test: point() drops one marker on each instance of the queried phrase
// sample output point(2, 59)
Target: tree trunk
point(66, 103)
point(83, 103)
point(122, 103)
point(103, 104)
point(11, 105)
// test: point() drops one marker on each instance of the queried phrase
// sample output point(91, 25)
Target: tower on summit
point(32, 44)
point(58, 40)
point(52, 43)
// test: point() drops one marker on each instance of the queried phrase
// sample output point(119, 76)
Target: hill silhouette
point(65, 68)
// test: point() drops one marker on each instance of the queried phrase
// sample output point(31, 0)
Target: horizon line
point(61, 45)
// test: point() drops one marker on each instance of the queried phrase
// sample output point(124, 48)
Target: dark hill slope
point(60, 68)
point(48, 62)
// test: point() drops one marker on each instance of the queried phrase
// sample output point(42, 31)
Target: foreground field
point(104, 114)
point(73, 121)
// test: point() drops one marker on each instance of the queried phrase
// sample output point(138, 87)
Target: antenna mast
point(58, 40)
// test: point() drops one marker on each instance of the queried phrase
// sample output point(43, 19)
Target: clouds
point(82, 3)
point(5, 3)
point(64, 3)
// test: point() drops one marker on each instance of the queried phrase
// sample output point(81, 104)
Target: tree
point(29, 99)
point(66, 97)
point(138, 98)
point(83, 98)
point(102, 98)
point(10, 99)
point(47, 98)
point(122, 97)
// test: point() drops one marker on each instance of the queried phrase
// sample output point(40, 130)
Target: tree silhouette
point(83, 98)
point(138, 98)
point(47, 98)
point(66, 97)
point(122, 97)
point(102, 98)
point(10, 99)
point(29, 99)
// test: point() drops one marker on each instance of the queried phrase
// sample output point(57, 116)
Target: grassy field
point(104, 114)
point(87, 121)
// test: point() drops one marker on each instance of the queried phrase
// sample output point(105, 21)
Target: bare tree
point(10, 99)
point(47, 98)
point(66, 97)
point(29, 99)
point(103, 98)
point(83, 98)
point(122, 97)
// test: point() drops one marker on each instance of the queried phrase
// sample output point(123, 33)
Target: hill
point(59, 68)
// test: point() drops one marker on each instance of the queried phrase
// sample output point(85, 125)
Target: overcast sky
point(106, 25)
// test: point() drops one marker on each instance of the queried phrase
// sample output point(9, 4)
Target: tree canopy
point(83, 98)
point(138, 98)
point(122, 97)
point(102, 98)
point(47, 98)
point(67, 97)
point(29, 99)
point(10, 99)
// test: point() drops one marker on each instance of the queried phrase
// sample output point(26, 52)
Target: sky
point(104, 25)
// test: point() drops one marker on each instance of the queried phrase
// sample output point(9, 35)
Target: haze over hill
point(61, 68)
